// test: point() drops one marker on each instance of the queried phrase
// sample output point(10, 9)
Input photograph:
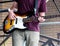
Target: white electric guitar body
point(18, 23)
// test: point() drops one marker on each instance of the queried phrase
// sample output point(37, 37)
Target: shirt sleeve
point(42, 7)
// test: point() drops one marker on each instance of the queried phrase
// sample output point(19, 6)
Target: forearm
point(14, 6)
point(41, 14)
point(12, 10)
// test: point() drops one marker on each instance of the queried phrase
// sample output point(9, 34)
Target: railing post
point(45, 43)
point(58, 36)
point(50, 43)
point(5, 39)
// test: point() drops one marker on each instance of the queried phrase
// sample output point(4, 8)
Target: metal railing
point(6, 1)
point(49, 41)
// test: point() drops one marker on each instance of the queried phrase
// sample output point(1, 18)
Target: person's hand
point(11, 15)
point(41, 19)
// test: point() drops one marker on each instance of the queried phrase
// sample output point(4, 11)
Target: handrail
point(56, 5)
point(6, 1)
point(57, 40)
point(3, 10)
point(4, 35)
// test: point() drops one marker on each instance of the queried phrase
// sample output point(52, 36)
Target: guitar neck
point(30, 19)
point(33, 18)
point(51, 16)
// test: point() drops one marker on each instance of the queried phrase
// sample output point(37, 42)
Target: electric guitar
point(18, 23)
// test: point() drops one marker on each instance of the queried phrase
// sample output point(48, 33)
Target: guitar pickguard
point(18, 23)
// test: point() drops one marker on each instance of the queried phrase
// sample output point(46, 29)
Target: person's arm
point(11, 10)
point(41, 17)
point(14, 6)
point(42, 11)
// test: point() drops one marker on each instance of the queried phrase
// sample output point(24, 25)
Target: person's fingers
point(12, 16)
point(41, 19)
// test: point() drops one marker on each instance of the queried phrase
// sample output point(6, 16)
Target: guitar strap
point(35, 11)
point(36, 8)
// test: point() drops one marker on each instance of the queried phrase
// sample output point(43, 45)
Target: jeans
point(19, 37)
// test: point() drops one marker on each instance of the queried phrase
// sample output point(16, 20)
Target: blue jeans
point(31, 37)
